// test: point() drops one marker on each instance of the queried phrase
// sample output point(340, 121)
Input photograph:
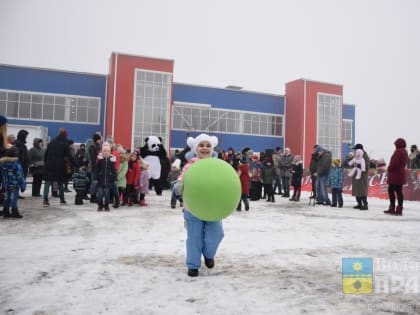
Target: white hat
point(176, 163)
point(194, 142)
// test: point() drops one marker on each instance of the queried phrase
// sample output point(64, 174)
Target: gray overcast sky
point(371, 47)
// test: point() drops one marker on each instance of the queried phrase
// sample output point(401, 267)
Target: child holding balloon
point(203, 237)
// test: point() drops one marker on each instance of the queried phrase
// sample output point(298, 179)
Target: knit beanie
point(177, 164)
point(337, 162)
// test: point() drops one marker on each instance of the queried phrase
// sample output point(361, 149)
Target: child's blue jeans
point(203, 238)
point(10, 198)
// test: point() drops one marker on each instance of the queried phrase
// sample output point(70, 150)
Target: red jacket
point(133, 173)
point(397, 166)
point(244, 177)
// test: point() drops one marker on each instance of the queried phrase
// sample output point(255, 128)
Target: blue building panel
point(57, 82)
point(229, 99)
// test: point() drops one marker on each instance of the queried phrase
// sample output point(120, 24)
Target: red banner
point(378, 186)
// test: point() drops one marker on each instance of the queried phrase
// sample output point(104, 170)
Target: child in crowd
point(268, 174)
point(144, 182)
point(297, 171)
point(358, 163)
point(245, 178)
point(105, 176)
point(172, 177)
point(336, 181)
point(121, 174)
point(80, 181)
point(13, 180)
point(203, 237)
point(133, 175)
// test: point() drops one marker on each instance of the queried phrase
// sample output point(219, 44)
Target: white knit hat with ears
point(177, 163)
point(194, 142)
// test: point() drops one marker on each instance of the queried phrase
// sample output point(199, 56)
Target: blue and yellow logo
point(357, 275)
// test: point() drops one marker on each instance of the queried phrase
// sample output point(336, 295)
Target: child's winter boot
point(143, 203)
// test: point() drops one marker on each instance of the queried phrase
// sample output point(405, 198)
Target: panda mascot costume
point(154, 153)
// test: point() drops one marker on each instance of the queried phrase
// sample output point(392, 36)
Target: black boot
point(246, 205)
point(293, 197)
point(16, 214)
point(6, 213)
point(297, 198)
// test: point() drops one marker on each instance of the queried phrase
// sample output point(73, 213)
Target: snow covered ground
point(278, 258)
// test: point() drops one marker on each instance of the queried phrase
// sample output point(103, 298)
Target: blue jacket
point(12, 174)
point(336, 177)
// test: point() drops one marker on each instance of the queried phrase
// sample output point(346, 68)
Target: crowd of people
point(106, 173)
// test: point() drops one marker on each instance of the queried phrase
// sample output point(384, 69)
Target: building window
point(347, 131)
point(199, 117)
point(151, 106)
point(49, 107)
point(329, 122)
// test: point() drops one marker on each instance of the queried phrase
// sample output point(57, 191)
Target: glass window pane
point(48, 112)
point(12, 96)
point(36, 111)
point(36, 98)
point(81, 114)
point(82, 101)
point(60, 100)
point(3, 96)
point(48, 99)
point(59, 112)
point(93, 115)
point(73, 113)
point(12, 109)
point(25, 97)
point(25, 110)
point(3, 108)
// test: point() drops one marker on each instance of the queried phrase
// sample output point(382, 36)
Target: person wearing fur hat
point(104, 177)
point(397, 177)
point(286, 161)
point(121, 174)
point(203, 237)
point(336, 182)
point(297, 172)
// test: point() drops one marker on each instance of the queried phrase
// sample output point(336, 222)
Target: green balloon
point(212, 189)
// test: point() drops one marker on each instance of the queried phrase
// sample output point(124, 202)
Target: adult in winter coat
point(20, 143)
point(55, 165)
point(323, 167)
point(36, 165)
point(397, 176)
point(92, 154)
point(286, 162)
point(360, 186)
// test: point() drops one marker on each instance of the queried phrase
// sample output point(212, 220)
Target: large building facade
point(138, 98)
